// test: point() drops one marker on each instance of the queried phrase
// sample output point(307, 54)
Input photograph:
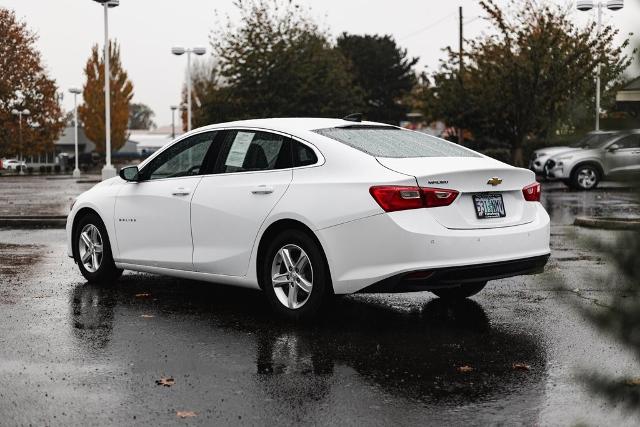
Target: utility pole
point(460, 71)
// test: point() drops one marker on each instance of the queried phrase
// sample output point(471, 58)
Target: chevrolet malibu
point(304, 209)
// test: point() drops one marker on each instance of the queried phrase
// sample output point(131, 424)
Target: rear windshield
point(386, 141)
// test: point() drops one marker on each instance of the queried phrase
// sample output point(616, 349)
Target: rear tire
point(294, 276)
point(92, 251)
point(461, 292)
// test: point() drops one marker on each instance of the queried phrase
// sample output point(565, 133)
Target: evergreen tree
point(383, 72)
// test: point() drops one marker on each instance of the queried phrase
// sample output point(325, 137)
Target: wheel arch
point(590, 162)
point(81, 213)
point(277, 227)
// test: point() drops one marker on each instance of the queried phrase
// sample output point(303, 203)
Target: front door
point(152, 216)
point(625, 160)
point(252, 174)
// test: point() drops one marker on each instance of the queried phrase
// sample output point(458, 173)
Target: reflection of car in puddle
point(92, 315)
point(414, 355)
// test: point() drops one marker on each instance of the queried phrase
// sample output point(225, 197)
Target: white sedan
point(307, 208)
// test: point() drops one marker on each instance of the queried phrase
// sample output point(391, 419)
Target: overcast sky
point(146, 30)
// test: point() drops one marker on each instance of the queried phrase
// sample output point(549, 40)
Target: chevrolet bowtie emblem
point(494, 181)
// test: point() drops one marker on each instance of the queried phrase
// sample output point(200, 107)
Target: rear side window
point(385, 141)
point(303, 155)
point(255, 151)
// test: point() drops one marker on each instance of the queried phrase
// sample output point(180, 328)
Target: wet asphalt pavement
point(72, 353)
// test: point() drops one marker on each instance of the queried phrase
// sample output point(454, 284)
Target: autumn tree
point(91, 112)
point(527, 78)
point(24, 84)
point(276, 62)
point(383, 72)
point(141, 116)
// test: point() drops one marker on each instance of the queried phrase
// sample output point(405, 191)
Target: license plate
point(489, 206)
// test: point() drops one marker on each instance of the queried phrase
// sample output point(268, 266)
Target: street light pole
point(173, 120)
point(180, 51)
point(75, 92)
point(587, 5)
point(20, 113)
point(108, 171)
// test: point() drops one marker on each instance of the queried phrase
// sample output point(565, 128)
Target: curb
point(26, 221)
point(608, 223)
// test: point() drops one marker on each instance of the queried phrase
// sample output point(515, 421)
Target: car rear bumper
point(450, 276)
point(364, 252)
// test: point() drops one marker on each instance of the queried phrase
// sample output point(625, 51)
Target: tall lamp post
point(20, 113)
point(178, 50)
point(108, 171)
point(75, 91)
point(173, 120)
point(585, 6)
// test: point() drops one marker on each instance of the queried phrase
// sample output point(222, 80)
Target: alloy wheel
point(587, 178)
point(90, 248)
point(292, 276)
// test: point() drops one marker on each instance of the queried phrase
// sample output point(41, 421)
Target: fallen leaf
point(147, 316)
point(143, 295)
point(186, 414)
point(464, 369)
point(167, 382)
point(633, 381)
point(521, 367)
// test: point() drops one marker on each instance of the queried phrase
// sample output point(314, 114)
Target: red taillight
point(532, 192)
point(392, 198)
point(434, 197)
point(397, 198)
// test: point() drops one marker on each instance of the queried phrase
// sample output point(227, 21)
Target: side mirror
point(130, 173)
point(614, 147)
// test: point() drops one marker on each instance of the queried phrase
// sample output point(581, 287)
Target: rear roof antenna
point(355, 117)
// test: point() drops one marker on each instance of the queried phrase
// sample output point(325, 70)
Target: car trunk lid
point(471, 176)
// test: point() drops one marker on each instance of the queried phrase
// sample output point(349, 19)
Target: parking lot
point(157, 350)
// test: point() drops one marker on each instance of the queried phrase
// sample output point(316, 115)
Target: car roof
point(292, 124)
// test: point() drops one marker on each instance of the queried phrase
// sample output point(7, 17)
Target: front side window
point(184, 158)
point(387, 141)
point(629, 141)
point(255, 151)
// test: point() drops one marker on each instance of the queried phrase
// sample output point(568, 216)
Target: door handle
point(180, 191)
point(262, 189)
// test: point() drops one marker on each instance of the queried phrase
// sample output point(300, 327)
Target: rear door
point(252, 173)
point(152, 216)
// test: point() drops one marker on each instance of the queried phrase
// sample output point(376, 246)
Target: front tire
point(294, 276)
point(461, 292)
point(585, 177)
point(92, 251)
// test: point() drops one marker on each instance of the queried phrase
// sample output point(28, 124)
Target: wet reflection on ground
point(413, 356)
point(607, 200)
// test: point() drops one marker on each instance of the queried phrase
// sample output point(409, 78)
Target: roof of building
point(68, 137)
point(632, 85)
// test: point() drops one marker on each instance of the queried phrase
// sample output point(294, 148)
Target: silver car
point(539, 157)
point(614, 157)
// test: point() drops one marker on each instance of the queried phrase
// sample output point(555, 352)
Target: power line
point(428, 27)
point(469, 21)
